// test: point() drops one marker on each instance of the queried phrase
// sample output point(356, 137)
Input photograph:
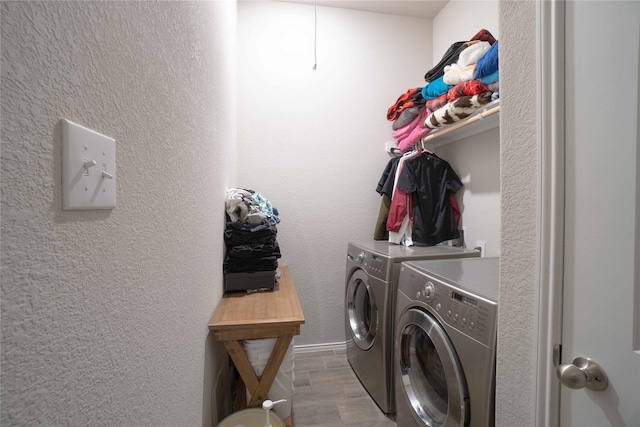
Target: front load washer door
point(362, 310)
point(432, 378)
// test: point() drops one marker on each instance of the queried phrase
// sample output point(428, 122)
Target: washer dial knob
point(360, 258)
point(429, 291)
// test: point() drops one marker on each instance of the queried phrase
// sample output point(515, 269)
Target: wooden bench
point(268, 314)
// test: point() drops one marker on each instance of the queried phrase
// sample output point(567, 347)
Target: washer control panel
point(373, 264)
point(472, 314)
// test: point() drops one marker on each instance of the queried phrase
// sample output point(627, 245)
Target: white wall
point(515, 393)
point(460, 20)
point(312, 142)
point(476, 159)
point(105, 313)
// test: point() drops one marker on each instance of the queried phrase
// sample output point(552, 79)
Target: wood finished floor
point(328, 394)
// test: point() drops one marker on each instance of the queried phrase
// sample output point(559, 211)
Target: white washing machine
point(371, 283)
point(445, 343)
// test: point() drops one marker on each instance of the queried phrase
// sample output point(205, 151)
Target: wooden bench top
point(262, 314)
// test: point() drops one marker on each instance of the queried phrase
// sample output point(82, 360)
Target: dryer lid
point(479, 276)
point(405, 253)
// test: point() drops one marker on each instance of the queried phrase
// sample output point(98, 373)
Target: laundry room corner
point(312, 141)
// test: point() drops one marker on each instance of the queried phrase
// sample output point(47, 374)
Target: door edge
point(550, 35)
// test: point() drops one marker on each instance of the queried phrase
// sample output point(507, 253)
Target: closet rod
point(464, 122)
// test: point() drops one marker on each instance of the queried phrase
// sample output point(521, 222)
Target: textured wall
point(105, 313)
point(313, 141)
point(518, 155)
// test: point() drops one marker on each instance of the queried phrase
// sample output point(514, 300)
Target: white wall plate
point(88, 168)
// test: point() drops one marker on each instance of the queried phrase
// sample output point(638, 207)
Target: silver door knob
point(583, 372)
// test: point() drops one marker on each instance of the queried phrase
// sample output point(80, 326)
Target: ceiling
point(417, 8)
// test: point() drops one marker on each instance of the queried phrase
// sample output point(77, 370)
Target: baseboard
point(330, 346)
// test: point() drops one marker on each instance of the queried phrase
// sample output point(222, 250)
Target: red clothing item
point(411, 98)
point(436, 104)
point(485, 36)
point(398, 210)
point(466, 88)
point(455, 208)
point(400, 201)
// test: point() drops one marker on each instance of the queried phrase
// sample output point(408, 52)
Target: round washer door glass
point(362, 311)
point(431, 373)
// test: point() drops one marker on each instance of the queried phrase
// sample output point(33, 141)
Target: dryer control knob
point(429, 291)
point(360, 258)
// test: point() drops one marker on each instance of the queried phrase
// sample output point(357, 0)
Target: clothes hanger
point(424, 149)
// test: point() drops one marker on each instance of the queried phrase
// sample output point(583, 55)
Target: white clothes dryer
point(445, 343)
point(371, 282)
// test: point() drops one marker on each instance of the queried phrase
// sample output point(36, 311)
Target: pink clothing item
point(406, 144)
point(410, 135)
point(403, 132)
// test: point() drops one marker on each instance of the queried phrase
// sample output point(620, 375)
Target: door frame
point(550, 52)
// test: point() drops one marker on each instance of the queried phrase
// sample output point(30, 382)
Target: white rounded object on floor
point(253, 417)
